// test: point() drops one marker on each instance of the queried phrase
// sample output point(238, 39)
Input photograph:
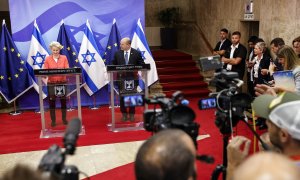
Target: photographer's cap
point(283, 111)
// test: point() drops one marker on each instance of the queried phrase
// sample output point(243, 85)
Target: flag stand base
point(70, 109)
point(94, 107)
point(15, 113)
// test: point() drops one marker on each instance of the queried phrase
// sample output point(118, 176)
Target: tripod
point(221, 168)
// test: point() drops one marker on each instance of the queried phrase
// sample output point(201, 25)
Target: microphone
point(71, 135)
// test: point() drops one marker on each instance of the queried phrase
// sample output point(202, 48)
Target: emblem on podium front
point(60, 91)
point(129, 85)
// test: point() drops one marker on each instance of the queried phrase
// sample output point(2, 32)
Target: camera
point(53, 162)
point(229, 102)
point(173, 113)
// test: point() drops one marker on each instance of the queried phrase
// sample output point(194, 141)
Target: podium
point(59, 89)
point(127, 93)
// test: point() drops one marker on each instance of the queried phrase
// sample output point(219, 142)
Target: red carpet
point(21, 133)
point(178, 71)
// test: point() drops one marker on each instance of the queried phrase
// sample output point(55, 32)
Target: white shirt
point(256, 66)
point(222, 41)
point(55, 59)
point(229, 66)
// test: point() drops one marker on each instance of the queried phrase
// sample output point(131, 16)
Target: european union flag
point(113, 44)
point(68, 50)
point(14, 76)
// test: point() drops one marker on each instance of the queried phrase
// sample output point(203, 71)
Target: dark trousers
point(52, 103)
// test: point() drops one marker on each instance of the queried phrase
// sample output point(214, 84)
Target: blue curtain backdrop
point(48, 15)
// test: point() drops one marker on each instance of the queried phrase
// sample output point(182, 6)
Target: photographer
point(283, 119)
point(169, 154)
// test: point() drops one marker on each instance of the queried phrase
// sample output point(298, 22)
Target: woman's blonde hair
point(290, 57)
point(261, 46)
point(55, 44)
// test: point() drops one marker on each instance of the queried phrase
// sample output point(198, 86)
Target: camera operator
point(169, 154)
point(283, 119)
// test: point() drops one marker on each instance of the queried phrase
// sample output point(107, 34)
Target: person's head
point(22, 172)
point(288, 58)
point(55, 47)
point(267, 166)
point(125, 44)
point(236, 37)
point(259, 48)
point(169, 154)
point(276, 44)
point(252, 41)
point(296, 45)
point(283, 118)
point(223, 33)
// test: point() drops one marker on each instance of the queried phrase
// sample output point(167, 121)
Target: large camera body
point(231, 104)
point(53, 162)
point(173, 113)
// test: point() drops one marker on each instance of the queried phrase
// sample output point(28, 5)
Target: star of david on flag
point(36, 55)
point(139, 42)
point(14, 77)
point(38, 59)
point(88, 57)
point(93, 67)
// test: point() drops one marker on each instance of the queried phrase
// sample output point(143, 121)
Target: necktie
point(126, 57)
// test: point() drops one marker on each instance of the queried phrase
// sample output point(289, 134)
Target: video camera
point(54, 160)
point(173, 113)
point(230, 103)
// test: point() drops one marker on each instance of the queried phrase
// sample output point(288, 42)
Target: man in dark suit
point(127, 56)
point(223, 44)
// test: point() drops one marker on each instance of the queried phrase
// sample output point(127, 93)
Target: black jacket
point(241, 52)
point(135, 58)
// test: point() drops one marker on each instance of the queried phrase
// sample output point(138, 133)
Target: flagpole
point(70, 104)
point(94, 107)
point(15, 112)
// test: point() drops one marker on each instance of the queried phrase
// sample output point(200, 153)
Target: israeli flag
point(94, 69)
point(139, 42)
point(36, 55)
